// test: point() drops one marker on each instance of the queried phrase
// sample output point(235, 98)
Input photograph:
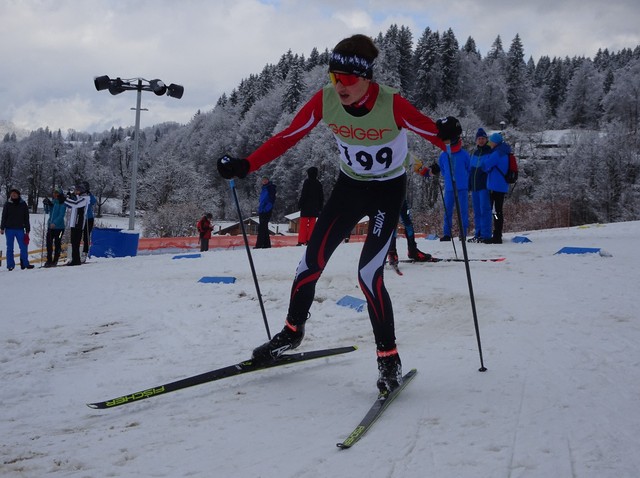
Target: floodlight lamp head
point(102, 82)
point(116, 86)
point(175, 91)
point(158, 87)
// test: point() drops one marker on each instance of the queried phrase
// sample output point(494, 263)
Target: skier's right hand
point(230, 168)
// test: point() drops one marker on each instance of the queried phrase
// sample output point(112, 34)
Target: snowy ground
point(560, 337)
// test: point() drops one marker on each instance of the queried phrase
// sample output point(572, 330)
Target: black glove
point(230, 168)
point(449, 128)
point(47, 202)
point(435, 169)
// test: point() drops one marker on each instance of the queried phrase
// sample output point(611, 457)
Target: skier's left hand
point(449, 128)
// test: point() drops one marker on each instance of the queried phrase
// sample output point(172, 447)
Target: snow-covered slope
point(560, 337)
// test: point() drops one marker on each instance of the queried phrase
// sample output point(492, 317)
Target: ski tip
point(93, 405)
point(343, 446)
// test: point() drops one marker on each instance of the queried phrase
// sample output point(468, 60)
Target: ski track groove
point(516, 428)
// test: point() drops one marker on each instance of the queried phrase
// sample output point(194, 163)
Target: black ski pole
point(466, 257)
point(453, 243)
point(232, 185)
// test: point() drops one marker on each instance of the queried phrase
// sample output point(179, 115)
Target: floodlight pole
point(134, 164)
point(118, 86)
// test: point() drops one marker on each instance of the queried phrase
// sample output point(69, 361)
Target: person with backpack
point(310, 204)
point(55, 225)
point(369, 123)
point(265, 210)
point(496, 165)
point(204, 231)
point(15, 224)
point(479, 193)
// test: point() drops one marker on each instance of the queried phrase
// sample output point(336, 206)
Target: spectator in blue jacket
point(479, 192)
point(497, 165)
point(15, 224)
point(56, 210)
point(265, 209)
point(461, 162)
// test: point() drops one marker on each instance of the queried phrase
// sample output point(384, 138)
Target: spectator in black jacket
point(310, 204)
point(15, 223)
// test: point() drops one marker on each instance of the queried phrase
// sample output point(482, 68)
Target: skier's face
point(352, 90)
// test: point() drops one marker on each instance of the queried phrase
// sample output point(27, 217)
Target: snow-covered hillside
point(560, 337)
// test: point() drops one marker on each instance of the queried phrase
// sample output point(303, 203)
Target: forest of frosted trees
point(588, 174)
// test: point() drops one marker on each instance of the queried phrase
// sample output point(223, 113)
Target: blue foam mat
point(217, 280)
point(579, 250)
point(187, 256)
point(520, 239)
point(352, 302)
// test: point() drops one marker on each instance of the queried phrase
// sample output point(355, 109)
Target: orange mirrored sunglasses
point(345, 78)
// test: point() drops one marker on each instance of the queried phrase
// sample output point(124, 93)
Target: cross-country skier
point(369, 122)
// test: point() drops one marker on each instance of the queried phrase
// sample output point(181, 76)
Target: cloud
point(52, 49)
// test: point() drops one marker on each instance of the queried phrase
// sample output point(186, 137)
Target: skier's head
point(312, 172)
point(354, 55)
point(14, 193)
point(481, 133)
point(351, 68)
point(80, 188)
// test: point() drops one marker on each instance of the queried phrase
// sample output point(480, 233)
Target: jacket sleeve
point(306, 119)
point(407, 116)
point(4, 217)
point(25, 216)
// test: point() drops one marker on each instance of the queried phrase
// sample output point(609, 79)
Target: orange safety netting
point(216, 242)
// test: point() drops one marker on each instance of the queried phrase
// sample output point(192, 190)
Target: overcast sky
point(51, 50)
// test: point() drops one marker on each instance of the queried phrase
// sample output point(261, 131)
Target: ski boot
point(418, 256)
point(389, 371)
point(287, 339)
point(392, 257)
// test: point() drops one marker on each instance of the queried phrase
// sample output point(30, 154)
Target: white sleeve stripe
point(306, 126)
point(418, 130)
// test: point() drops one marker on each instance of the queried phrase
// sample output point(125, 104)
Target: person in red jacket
point(310, 204)
point(369, 122)
point(204, 229)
